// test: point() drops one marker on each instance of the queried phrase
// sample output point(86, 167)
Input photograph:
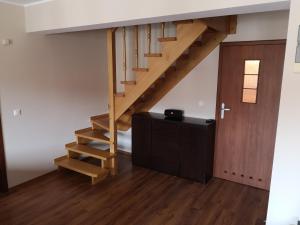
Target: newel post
point(111, 65)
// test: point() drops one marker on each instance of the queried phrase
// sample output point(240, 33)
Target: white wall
point(284, 204)
point(62, 15)
point(58, 81)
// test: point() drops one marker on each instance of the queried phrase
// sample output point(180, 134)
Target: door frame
point(3, 174)
point(238, 43)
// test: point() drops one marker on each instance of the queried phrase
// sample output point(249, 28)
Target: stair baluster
point(136, 50)
point(163, 26)
point(149, 38)
point(124, 54)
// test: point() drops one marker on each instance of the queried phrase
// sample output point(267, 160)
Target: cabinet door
point(193, 151)
point(141, 141)
point(165, 146)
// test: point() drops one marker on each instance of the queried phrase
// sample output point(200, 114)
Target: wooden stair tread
point(197, 44)
point(93, 135)
point(171, 69)
point(153, 55)
point(128, 82)
point(184, 57)
point(89, 151)
point(137, 69)
point(183, 22)
point(81, 167)
point(101, 121)
point(165, 39)
point(120, 94)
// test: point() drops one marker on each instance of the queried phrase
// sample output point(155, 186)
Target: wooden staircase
point(83, 148)
point(194, 41)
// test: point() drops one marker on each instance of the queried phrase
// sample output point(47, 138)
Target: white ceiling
point(21, 2)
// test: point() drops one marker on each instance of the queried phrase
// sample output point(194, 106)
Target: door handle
point(223, 110)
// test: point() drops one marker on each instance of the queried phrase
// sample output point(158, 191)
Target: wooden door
point(3, 178)
point(249, 87)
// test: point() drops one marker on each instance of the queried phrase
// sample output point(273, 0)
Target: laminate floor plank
point(136, 196)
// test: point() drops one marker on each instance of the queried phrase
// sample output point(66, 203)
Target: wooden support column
point(111, 60)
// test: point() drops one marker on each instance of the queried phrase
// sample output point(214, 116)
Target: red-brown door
point(249, 87)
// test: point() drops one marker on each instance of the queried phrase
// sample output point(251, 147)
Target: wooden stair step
point(197, 44)
point(101, 121)
point(210, 30)
point(97, 173)
point(89, 151)
point(120, 94)
point(138, 69)
point(93, 135)
point(183, 22)
point(171, 69)
point(165, 39)
point(128, 82)
point(184, 57)
point(153, 55)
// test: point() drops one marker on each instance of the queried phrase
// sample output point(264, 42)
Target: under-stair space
point(142, 84)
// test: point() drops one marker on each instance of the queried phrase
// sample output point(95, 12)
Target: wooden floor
point(136, 196)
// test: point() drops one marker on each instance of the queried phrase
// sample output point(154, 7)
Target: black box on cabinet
point(181, 148)
point(173, 114)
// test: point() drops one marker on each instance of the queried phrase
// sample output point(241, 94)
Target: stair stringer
point(171, 51)
point(196, 56)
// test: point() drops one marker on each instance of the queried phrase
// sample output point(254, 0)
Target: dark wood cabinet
point(181, 148)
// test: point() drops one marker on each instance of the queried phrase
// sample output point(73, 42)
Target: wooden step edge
point(171, 69)
point(210, 31)
point(197, 44)
point(120, 94)
point(81, 167)
point(89, 151)
point(140, 69)
point(128, 82)
point(82, 134)
point(183, 22)
point(153, 55)
point(83, 130)
point(101, 121)
point(60, 159)
point(103, 116)
point(184, 57)
point(100, 124)
point(165, 39)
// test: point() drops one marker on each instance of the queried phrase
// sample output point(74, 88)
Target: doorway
point(250, 76)
point(3, 175)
